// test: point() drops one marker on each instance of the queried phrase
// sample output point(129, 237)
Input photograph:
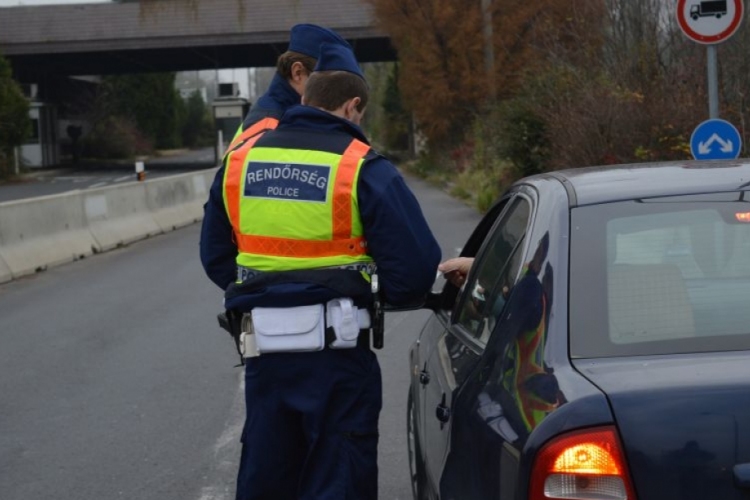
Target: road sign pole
point(711, 22)
point(713, 82)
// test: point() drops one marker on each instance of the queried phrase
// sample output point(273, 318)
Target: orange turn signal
point(588, 463)
point(586, 458)
point(743, 216)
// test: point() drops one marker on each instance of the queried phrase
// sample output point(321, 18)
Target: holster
point(378, 322)
point(231, 321)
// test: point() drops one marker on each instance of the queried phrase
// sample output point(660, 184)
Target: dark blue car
point(600, 347)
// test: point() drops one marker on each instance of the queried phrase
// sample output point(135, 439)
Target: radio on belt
point(378, 318)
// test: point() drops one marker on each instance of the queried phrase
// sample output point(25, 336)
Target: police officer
point(293, 67)
point(306, 200)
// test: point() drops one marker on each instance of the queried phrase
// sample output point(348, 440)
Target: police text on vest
point(288, 181)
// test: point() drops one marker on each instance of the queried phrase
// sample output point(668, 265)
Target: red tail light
point(587, 464)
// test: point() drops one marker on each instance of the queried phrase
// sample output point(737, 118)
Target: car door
point(460, 338)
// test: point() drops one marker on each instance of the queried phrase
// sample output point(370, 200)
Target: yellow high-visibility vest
point(268, 123)
point(294, 208)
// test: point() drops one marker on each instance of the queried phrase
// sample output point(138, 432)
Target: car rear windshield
point(660, 276)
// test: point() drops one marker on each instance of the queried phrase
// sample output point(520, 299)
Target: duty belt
point(347, 283)
point(248, 349)
point(247, 273)
point(336, 325)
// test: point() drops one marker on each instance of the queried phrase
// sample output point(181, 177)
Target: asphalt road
point(117, 383)
point(44, 182)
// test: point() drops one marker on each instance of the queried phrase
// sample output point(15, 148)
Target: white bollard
point(17, 159)
point(140, 171)
point(219, 144)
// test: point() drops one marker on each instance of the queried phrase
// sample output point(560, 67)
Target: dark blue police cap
point(307, 38)
point(335, 57)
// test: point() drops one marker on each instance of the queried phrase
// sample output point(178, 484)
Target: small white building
point(229, 112)
point(42, 148)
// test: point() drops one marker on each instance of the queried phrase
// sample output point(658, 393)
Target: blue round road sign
point(715, 140)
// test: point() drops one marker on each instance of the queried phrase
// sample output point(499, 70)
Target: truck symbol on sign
point(716, 8)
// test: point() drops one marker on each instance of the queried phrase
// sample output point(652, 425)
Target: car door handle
point(424, 377)
point(442, 412)
point(742, 475)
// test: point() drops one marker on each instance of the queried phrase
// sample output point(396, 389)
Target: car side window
point(494, 272)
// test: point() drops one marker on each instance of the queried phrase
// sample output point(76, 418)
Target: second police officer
point(293, 67)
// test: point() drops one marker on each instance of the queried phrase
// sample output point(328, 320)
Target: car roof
point(593, 185)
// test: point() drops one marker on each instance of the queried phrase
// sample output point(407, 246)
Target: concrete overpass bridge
point(173, 35)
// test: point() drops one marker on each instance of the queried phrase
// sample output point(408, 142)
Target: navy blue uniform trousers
point(311, 431)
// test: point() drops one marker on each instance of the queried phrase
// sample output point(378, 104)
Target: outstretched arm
point(456, 270)
point(397, 234)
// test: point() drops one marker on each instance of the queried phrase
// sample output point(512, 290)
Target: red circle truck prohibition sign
point(709, 21)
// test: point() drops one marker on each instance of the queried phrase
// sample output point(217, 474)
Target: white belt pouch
point(289, 329)
point(346, 321)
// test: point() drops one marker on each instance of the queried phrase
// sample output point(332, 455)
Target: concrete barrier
point(178, 200)
point(51, 230)
point(119, 215)
point(43, 231)
point(5, 274)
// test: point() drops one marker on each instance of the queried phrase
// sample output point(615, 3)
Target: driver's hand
point(456, 270)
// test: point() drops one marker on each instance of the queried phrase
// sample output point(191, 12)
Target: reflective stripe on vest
point(233, 182)
point(263, 251)
point(268, 123)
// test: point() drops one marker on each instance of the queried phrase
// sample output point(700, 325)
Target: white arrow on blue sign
point(715, 140)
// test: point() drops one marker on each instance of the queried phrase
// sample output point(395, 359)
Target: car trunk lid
point(684, 421)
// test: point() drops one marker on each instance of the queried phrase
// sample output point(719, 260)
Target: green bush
point(197, 129)
point(487, 195)
point(481, 186)
point(14, 118)
point(522, 138)
point(150, 101)
point(115, 138)
point(396, 118)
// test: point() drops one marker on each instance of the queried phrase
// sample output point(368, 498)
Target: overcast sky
point(12, 3)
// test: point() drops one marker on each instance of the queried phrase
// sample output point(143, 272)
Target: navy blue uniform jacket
point(397, 234)
point(279, 97)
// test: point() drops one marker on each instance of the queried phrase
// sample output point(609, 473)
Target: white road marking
point(232, 432)
point(74, 178)
point(215, 493)
point(98, 184)
point(125, 177)
point(224, 455)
